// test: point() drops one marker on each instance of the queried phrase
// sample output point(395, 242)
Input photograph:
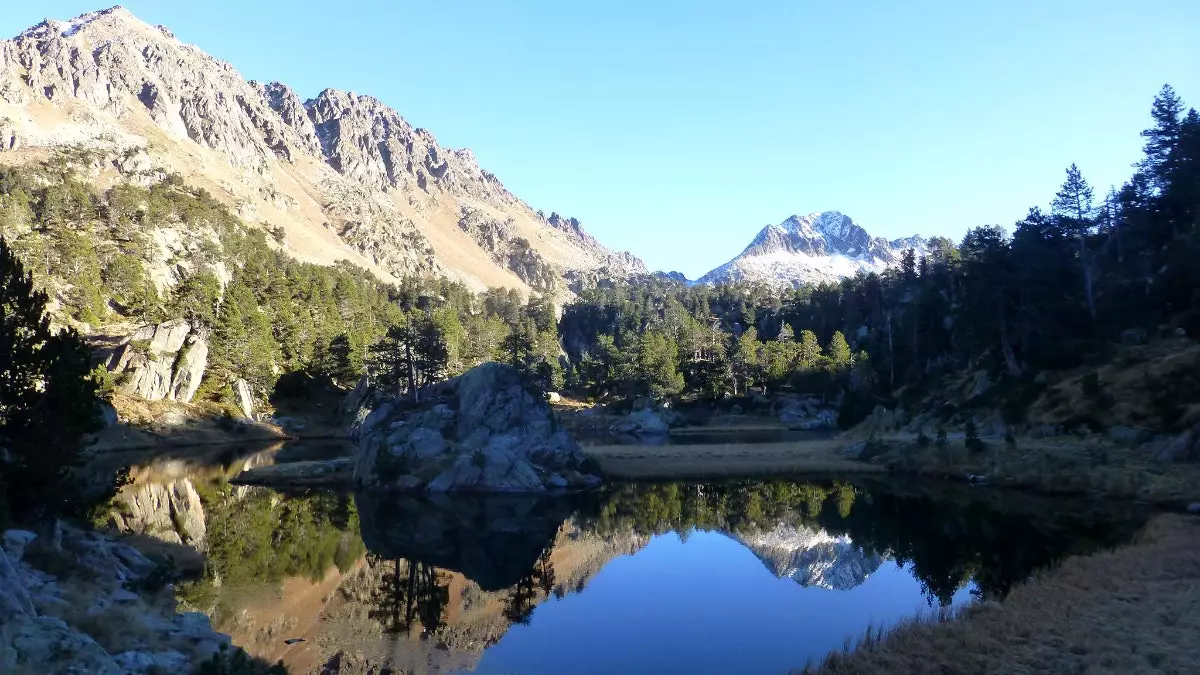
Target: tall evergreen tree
point(47, 399)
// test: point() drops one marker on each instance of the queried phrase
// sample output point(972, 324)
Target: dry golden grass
point(1133, 380)
point(1132, 610)
point(725, 460)
point(1062, 466)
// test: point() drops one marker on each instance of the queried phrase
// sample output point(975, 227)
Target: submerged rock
point(482, 431)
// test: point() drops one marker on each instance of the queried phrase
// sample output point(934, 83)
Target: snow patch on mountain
point(810, 249)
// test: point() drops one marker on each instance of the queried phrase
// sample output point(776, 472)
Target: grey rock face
point(34, 638)
point(645, 422)
point(1183, 448)
point(171, 512)
point(807, 415)
point(161, 362)
point(243, 398)
point(483, 432)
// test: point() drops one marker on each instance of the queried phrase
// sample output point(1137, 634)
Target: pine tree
point(1163, 138)
point(839, 351)
point(658, 363)
point(747, 361)
point(411, 355)
point(1074, 206)
point(810, 349)
point(47, 399)
point(908, 265)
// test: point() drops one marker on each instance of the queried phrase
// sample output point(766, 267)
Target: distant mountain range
point(340, 176)
point(810, 249)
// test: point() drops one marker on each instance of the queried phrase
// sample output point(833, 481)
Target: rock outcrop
point(483, 431)
point(243, 398)
point(1183, 448)
point(161, 362)
point(43, 617)
point(807, 415)
point(642, 423)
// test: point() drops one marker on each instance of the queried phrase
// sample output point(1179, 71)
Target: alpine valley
point(339, 176)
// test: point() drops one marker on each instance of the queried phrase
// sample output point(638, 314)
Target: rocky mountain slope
point(811, 249)
point(341, 176)
point(812, 557)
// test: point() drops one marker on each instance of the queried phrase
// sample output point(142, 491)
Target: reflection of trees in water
point(259, 536)
point(410, 595)
point(947, 543)
point(523, 597)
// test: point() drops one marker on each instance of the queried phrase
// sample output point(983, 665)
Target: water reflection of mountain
point(427, 583)
point(812, 557)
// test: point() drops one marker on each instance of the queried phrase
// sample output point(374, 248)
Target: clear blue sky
point(677, 129)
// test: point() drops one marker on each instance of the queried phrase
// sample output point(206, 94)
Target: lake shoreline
point(1130, 609)
point(1057, 466)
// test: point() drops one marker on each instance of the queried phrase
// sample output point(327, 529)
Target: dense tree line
point(1066, 282)
point(102, 256)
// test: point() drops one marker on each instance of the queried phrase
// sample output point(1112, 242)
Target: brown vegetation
point(1154, 386)
point(1132, 610)
point(726, 460)
point(1061, 466)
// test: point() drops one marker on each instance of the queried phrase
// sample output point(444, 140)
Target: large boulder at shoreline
point(807, 415)
point(644, 422)
point(483, 431)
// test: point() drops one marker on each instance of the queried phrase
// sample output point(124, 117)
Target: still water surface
point(730, 577)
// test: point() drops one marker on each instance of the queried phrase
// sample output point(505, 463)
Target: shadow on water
point(494, 540)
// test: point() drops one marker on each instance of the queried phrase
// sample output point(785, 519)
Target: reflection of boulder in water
point(812, 557)
point(494, 540)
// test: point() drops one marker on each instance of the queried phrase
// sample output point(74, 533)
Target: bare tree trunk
point(412, 373)
point(891, 354)
point(1087, 277)
point(1010, 359)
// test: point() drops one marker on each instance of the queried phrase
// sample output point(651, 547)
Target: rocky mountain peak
point(821, 246)
point(343, 175)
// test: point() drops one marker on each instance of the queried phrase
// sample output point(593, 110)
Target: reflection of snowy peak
point(811, 249)
point(812, 557)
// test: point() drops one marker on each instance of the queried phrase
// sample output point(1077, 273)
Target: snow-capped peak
point(822, 246)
